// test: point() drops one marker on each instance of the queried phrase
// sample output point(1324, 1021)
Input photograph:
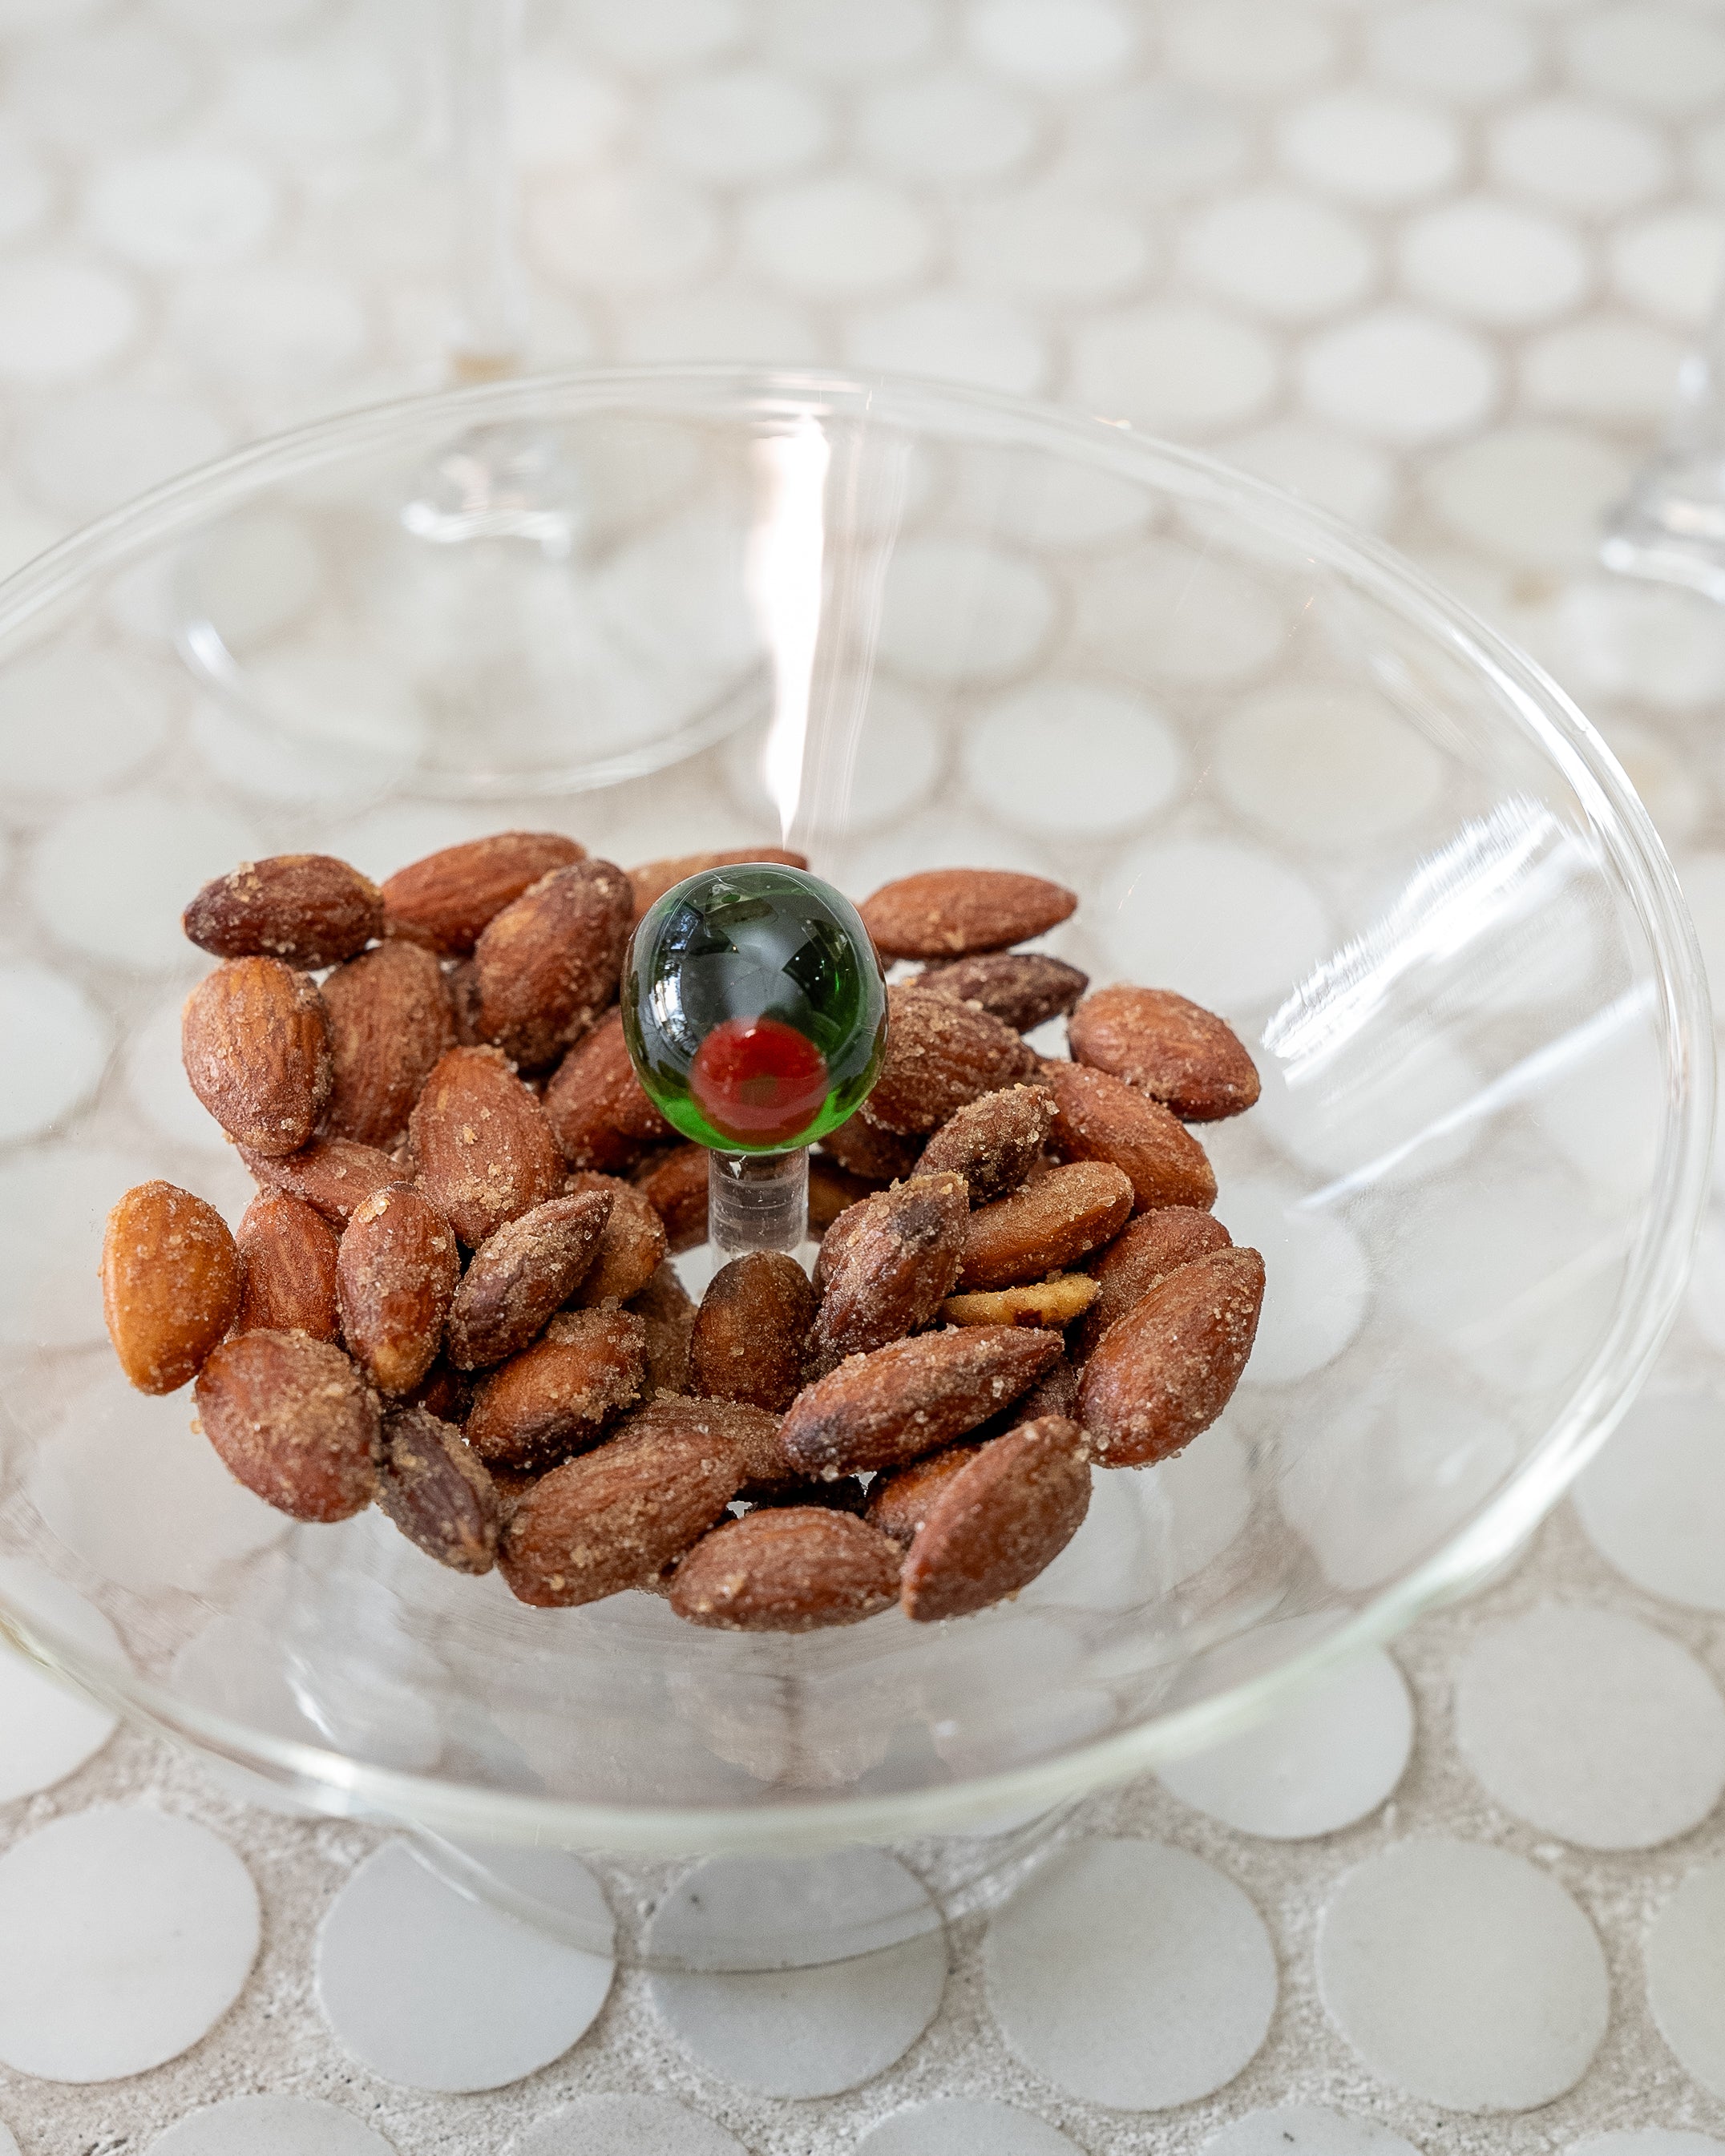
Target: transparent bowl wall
point(905, 628)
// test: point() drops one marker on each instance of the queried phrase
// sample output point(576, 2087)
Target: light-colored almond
point(256, 1048)
point(1165, 1371)
point(171, 1283)
point(292, 1420)
point(309, 910)
point(396, 1270)
point(485, 1151)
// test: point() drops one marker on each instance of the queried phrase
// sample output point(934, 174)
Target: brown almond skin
point(557, 1397)
point(674, 1184)
point(289, 1254)
point(547, 966)
point(664, 1308)
point(941, 1056)
point(437, 1492)
point(994, 1142)
point(292, 1420)
point(1180, 1053)
point(485, 1151)
point(1055, 1393)
point(1101, 1118)
point(595, 1104)
point(396, 1270)
point(899, 1502)
point(521, 1275)
point(1165, 1371)
point(887, 1269)
point(1001, 1520)
point(390, 1019)
point(750, 1435)
point(832, 1191)
point(447, 901)
point(171, 1283)
point(879, 1410)
point(256, 1048)
point(615, 1518)
point(330, 1175)
point(444, 1391)
point(799, 1568)
point(309, 910)
point(462, 982)
point(863, 1148)
point(950, 913)
point(633, 1248)
point(749, 1332)
point(651, 881)
point(1152, 1246)
point(1047, 1226)
point(1024, 989)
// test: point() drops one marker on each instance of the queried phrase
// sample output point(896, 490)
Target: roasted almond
point(899, 1502)
point(444, 1391)
point(485, 1153)
point(879, 1410)
point(289, 1254)
point(521, 1275)
point(437, 1492)
point(949, 913)
point(171, 1283)
point(886, 1268)
point(292, 1420)
point(941, 1056)
point(664, 1308)
point(1022, 989)
point(558, 1395)
point(1101, 1118)
point(1048, 1225)
point(750, 1435)
point(651, 881)
point(674, 1183)
point(596, 1105)
point(632, 1249)
point(1178, 1052)
point(462, 980)
point(331, 1175)
point(1167, 1369)
point(1151, 1247)
point(750, 1331)
point(447, 901)
point(309, 910)
point(1052, 1303)
point(1055, 1393)
point(396, 1270)
point(1001, 1520)
point(390, 1020)
point(832, 1191)
point(863, 1149)
point(256, 1048)
point(798, 1569)
point(547, 966)
point(993, 1143)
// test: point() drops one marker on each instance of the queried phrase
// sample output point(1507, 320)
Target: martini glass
point(1670, 526)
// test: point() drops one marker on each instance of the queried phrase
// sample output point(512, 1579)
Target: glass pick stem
point(756, 1201)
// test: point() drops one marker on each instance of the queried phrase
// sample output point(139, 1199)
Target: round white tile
point(1052, 243)
point(964, 2126)
point(54, 1200)
point(87, 452)
point(432, 1991)
point(696, 326)
point(1458, 49)
point(129, 1934)
point(181, 208)
point(807, 2032)
point(108, 719)
point(1647, 2141)
point(834, 42)
point(1279, 255)
point(1238, 49)
point(61, 319)
point(1667, 60)
point(955, 611)
point(270, 327)
point(1686, 1975)
point(1220, 922)
point(1667, 263)
point(1319, 1283)
point(1579, 155)
point(1591, 1725)
point(1176, 614)
point(112, 83)
point(110, 876)
point(1653, 1501)
point(1174, 367)
point(949, 336)
point(314, 96)
point(1119, 762)
point(1370, 148)
point(1132, 1974)
point(625, 2126)
point(53, 1046)
point(1302, 2129)
point(661, 33)
point(947, 126)
point(1531, 495)
point(1493, 262)
point(631, 231)
point(1400, 376)
point(1609, 368)
point(50, 1730)
point(838, 239)
point(1463, 1975)
point(1349, 477)
point(270, 2125)
point(1325, 766)
point(1054, 44)
point(743, 124)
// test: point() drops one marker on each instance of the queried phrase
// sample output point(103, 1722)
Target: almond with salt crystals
point(390, 1020)
point(749, 1332)
point(521, 1275)
point(436, 1491)
point(1165, 1371)
point(171, 1283)
point(994, 1142)
point(1152, 1246)
point(941, 1056)
point(1100, 1117)
point(448, 900)
point(309, 910)
point(1022, 989)
point(557, 1396)
point(797, 1569)
point(396, 1270)
point(292, 1420)
point(289, 1253)
point(887, 1267)
point(485, 1151)
point(1002, 1519)
point(546, 968)
point(331, 1175)
point(1048, 1225)
point(949, 913)
point(596, 1105)
point(256, 1048)
point(1173, 1049)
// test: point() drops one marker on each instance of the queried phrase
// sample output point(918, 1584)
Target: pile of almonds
point(452, 1296)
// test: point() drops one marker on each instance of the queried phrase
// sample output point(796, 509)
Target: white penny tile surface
point(1308, 2130)
point(270, 2125)
point(1686, 1974)
point(626, 2126)
point(961, 2125)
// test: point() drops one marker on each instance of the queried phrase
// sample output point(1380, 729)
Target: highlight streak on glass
point(783, 578)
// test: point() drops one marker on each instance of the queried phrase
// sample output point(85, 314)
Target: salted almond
point(396, 1270)
point(331, 1175)
point(750, 1330)
point(941, 1056)
point(949, 913)
point(1001, 1520)
point(651, 881)
point(832, 1191)
point(521, 1275)
point(1024, 989)
point(256, 1048)
point(881, 1409)
point(1167, 1369)
point(447, 901)
point(289, 1254)
point(1051, 1302)
point(1175, 1051)
point(462, 980)
point(558, 1395)
point(748, 1433)
point(485, 1151)
point(796, 1570)
point(171, 1283)
point(444, 1391)
point(663, 1307)
point(994, 1142)
point(1101, 1118)
point(633, 1248)
point(439, 1495)
point(390, 1020)
point(863, 1149)
point(596, 1105)
point(1048, 1225)
point(309, 910)
point(1150, 1248)
point(886, 1268)
point(899, 1502)
point(293, 1419)
point(547, 966)
point(674, 1184)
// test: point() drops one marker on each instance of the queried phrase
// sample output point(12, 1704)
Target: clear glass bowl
point(903, 627)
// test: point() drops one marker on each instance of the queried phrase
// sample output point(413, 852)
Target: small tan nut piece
point(596, 1105)
point(749, 1332)
point(1152, 1246)
point(633, 1248)
point(333, 1176)
point(557, 1397)
point(289, 1254)
point(1002, 1519)
point(1050, 1224)
point(794, 1569)
point(994, 1142)
point(396, 1272)
point(949, 913)
point(1178, 1052)
point(292, 1420)
point(484, 1150)
point(1165, 1371)
point(887, 1266)
point(1100, 1117)
point(651, 881)
point(447, 901)
point(256, 1048)
point(520, 1276)
point(391, 1020)
point(171, 1283)
point(941, 1056)
point(309, 910)
point(1022, 989)
point(436, 1491)
point(1052, 1303)
point(547, 966)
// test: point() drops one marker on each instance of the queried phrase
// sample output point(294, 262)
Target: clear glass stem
point(756, 1201)
point(490, 333)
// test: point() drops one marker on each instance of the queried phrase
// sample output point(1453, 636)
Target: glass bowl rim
point(1657, 1266)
